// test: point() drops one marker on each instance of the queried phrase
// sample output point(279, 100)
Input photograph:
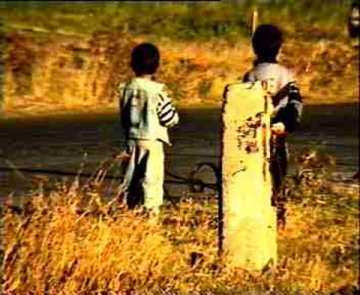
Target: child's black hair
point(145, 59)
point(266, 42)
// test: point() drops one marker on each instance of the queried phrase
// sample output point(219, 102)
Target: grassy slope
point(184, 21)
point(197, 72)
point(211, 37)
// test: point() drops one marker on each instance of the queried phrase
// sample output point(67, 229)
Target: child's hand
point(278, 128)
point(121, 156)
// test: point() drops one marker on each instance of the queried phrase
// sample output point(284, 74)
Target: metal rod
point(177, 180)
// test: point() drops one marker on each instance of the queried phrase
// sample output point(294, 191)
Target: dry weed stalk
point(69, 241)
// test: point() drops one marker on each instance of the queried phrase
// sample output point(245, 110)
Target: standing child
point(354, 22)
point(287, 102)
point(146, 113)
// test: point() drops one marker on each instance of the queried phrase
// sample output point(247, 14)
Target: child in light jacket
point(146, 112)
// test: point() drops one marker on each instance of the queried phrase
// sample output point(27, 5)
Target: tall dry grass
point(68, 240)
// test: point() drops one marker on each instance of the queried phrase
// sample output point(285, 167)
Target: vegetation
point(66, 239)
point(50, 73)
point(62, 56)
point(196, 21)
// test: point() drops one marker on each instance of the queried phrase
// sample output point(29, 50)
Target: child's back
point(143, 103)
point(275, 74)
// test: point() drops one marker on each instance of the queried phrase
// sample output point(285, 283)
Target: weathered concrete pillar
point(249, 220)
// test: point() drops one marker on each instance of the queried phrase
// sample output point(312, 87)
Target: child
point(287, 102)
point(354, 23)
point(146, 112)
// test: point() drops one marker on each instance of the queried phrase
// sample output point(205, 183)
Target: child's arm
point(290, 115)
point(248, 77)
point(168, 116)
point(124, 116)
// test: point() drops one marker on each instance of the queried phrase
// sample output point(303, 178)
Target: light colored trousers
point(144, 174)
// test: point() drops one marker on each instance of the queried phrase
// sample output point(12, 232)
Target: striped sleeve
point(295, 99)
point(248, 77)
point(167, 113)
point(291, 113)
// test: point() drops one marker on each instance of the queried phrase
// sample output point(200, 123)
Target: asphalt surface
point(66, 143)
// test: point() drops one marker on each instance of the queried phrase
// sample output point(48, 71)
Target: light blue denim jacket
point(139, 106)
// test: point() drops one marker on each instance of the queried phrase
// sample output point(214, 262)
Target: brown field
point(64, 73)
point(66, 240)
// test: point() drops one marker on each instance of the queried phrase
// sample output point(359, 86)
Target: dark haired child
point(354, 20)
point(353, 23)
point(146, 113)
point(287, 102)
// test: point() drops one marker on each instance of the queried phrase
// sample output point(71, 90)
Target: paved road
point(61, 142)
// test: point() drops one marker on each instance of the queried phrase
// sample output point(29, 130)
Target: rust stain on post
point(249, 220)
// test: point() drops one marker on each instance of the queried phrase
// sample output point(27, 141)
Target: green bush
point(183, 20)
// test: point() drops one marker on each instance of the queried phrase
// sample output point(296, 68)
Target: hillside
point(62, 57)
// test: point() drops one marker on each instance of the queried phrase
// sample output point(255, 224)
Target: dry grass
point(67, 240)
point(65, 73)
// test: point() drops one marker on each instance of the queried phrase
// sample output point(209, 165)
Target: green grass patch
point(185, 20)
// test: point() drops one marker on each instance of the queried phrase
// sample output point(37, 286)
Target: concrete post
point(249, 220)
